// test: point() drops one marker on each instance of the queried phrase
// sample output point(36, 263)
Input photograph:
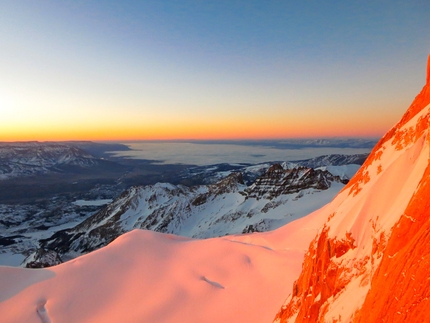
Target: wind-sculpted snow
point(369, 262)
point(144, 276)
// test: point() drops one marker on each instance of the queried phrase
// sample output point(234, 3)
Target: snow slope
point(144, 276)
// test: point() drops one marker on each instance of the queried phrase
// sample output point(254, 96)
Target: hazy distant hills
point(333, 160)
point(34, 170)
point(22, 159)
point(30, 170)
point(365, 143)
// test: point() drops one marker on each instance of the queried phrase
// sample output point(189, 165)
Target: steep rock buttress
point(400, 288)
point(370, 261)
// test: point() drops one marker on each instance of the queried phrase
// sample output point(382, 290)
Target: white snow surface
point(144, 276)
point(343, 171)
point(225, 213)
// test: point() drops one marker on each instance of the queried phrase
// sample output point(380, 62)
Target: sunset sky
point(133, 70)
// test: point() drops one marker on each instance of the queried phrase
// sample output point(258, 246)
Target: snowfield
point(144, 276)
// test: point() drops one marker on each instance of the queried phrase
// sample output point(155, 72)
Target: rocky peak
point(428, 71)
point(43, 258)
point(277, 181)
point(228, 184)
point(275, 168)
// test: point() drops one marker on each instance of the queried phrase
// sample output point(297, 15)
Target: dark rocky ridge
point(278, 180)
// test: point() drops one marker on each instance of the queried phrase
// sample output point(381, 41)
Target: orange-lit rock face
point(401, 137)
point(321, 278)
point(390, 268)
point(428, 71)
point(400, 289)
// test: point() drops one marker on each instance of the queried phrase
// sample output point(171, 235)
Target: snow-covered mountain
point(364, 257)
point(213, 173)
point(227, 207)
point(279, 181)
point(333, 160)
point(30, 158)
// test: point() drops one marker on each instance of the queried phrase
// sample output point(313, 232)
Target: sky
point(149, 70)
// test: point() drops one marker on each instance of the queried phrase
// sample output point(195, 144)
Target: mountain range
point(22, 226)
point(363, 257)
point(31, 158)
point(280, 195)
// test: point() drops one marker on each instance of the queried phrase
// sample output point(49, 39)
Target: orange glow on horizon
point(200, 131)
point(206, 122)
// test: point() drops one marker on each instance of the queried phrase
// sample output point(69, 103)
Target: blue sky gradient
point(208, 69)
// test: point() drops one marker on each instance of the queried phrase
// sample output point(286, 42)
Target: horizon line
point(197, 140)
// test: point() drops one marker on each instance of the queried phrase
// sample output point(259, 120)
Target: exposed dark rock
point(279, 181)
point(43, 258)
